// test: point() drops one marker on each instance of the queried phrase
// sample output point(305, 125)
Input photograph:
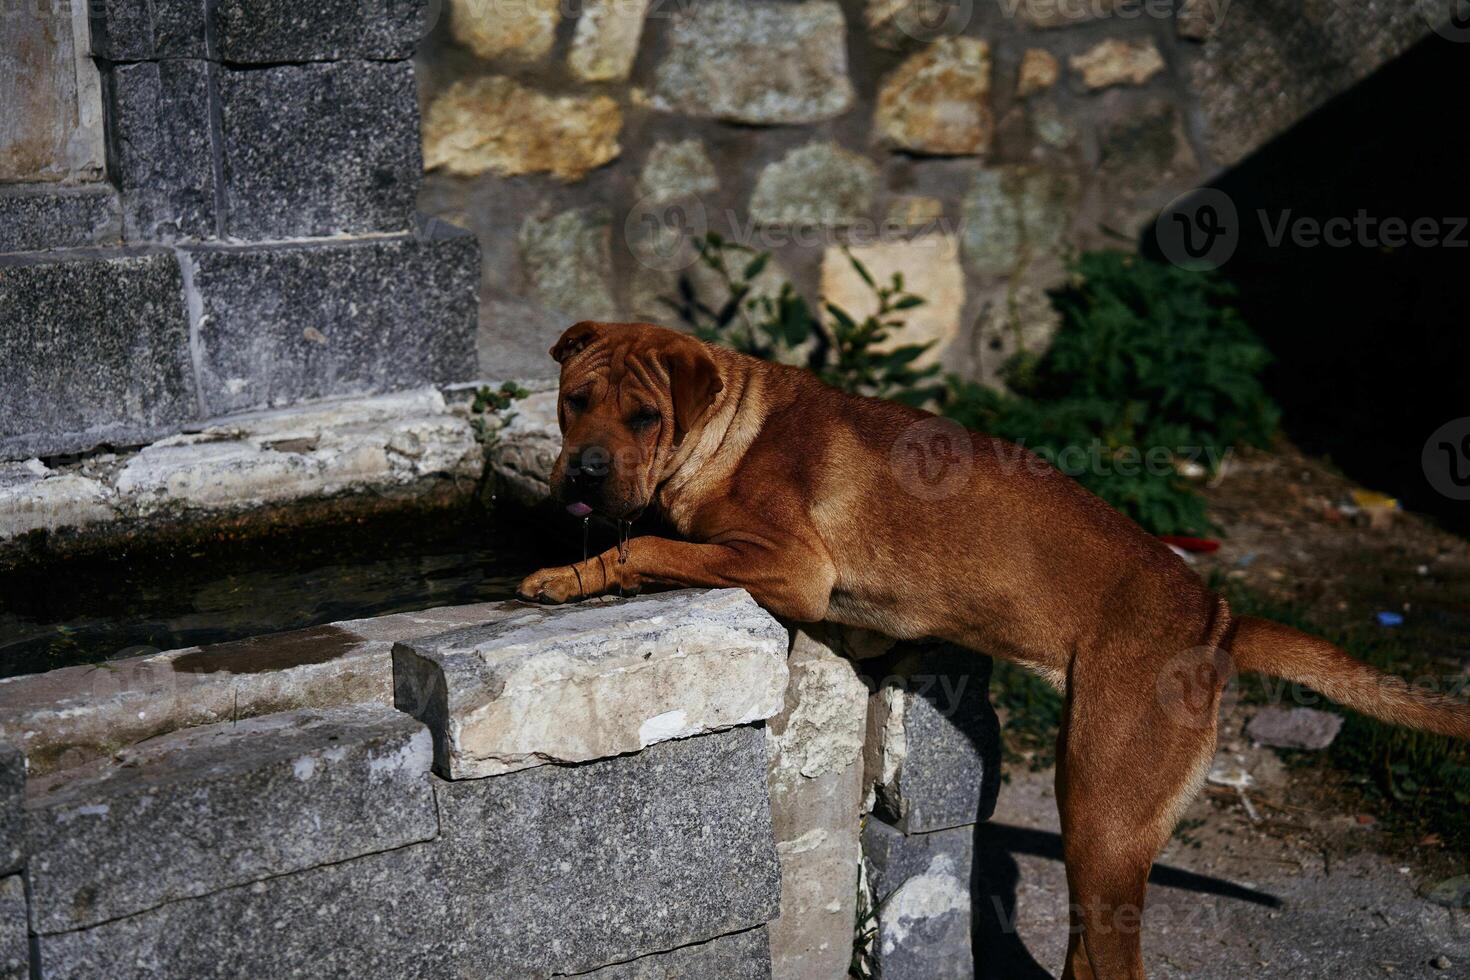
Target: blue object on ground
point(1390, 619)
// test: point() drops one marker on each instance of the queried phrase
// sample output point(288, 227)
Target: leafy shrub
point(846, 352)
point(1150, 362)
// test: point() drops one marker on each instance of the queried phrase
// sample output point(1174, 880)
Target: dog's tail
point(1264, 647)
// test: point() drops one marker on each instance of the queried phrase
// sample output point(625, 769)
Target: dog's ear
point(694, 381)
point(574, 339)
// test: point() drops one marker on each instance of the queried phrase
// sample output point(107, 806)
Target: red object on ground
point(1202, 545)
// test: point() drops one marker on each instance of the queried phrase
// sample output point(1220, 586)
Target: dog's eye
point(577, 402)
point(643, 418)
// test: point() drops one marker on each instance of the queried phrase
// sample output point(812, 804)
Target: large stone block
point(12, 794)
point(742, 956)
point(15, 951)
point(149, 30)
point(95, 348)
point(930, 267)
point(593, 864)
point(276, 31)
point(921, 888)
point(162, 154)
point(382, 915)
point(68, 717)
point(755, 62)
point(283, 323)
point(41, 216)
point(550, 871)
point(816, 783)
point(817, 184)
point(1015, 216)
point(319, 149)
point(933, 747)
point(592, 680)
point(207, 808)
point(938, 101)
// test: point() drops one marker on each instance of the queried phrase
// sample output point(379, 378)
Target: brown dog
point(828, 506)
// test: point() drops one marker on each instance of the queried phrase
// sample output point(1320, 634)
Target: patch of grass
point(1419, 782)
point(1033, 710)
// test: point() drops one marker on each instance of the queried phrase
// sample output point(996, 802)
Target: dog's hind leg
point(1128, 763)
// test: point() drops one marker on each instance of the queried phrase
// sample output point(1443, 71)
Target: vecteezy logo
point(932, 459)
point(929, 19)
point(1199, 230)
point(1450, 19)
point(1446, 459)
point(662, 234)
point(1193, 685)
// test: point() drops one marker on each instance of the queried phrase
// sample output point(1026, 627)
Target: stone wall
point(250, 240)
point(970, 144)
point(672, 785)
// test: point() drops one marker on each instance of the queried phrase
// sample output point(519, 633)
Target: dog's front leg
point(794, 582)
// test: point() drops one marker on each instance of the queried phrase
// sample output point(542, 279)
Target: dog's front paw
point(552, 585)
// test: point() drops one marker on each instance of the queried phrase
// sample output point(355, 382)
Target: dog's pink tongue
point(578, 509)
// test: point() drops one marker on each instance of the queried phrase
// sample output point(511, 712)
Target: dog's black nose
point(589, 467)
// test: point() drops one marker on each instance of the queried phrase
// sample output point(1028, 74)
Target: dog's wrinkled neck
point(713, 451)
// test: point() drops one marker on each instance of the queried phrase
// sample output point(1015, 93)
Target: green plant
point(849, 353)
point(1151, 363)
point(490, 401)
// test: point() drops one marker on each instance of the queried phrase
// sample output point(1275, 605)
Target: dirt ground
point(1308, 885)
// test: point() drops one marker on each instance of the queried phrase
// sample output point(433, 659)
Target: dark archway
point(1372, 341)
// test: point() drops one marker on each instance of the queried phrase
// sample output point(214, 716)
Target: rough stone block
point(921, 888)
point(1014, 215)
point(12, 794)
point(758, 63)
point(160, 149)
point(527, 450)
point(96, 349)
point(817, 184)
point(15, 952)
point(933, 747)
point(71, 716)
point(149, 30)
point(493, 124)
point(742, 956)
point(283, 323)
point(383, 915)
point(551, 871)
point(207, 808)
point(275, 31)
point(599, 863)
point(592, 680)
point(816, 783)
point(35, 217)
point(319, 149)
point(1295, 728)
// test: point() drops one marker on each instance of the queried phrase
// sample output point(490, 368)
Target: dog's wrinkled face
point(630, 394)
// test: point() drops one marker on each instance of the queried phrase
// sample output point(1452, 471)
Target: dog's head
point(631, 393)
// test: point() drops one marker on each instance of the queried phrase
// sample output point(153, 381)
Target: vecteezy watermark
point(1446, 459)
point(1450, 19)
point(922, 20)
point(932, 459)
point(1199, 230)
point(1362, 230)
point(1193, 684)
point(1054, 13)
point(1203, 228)
point(664, 234)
